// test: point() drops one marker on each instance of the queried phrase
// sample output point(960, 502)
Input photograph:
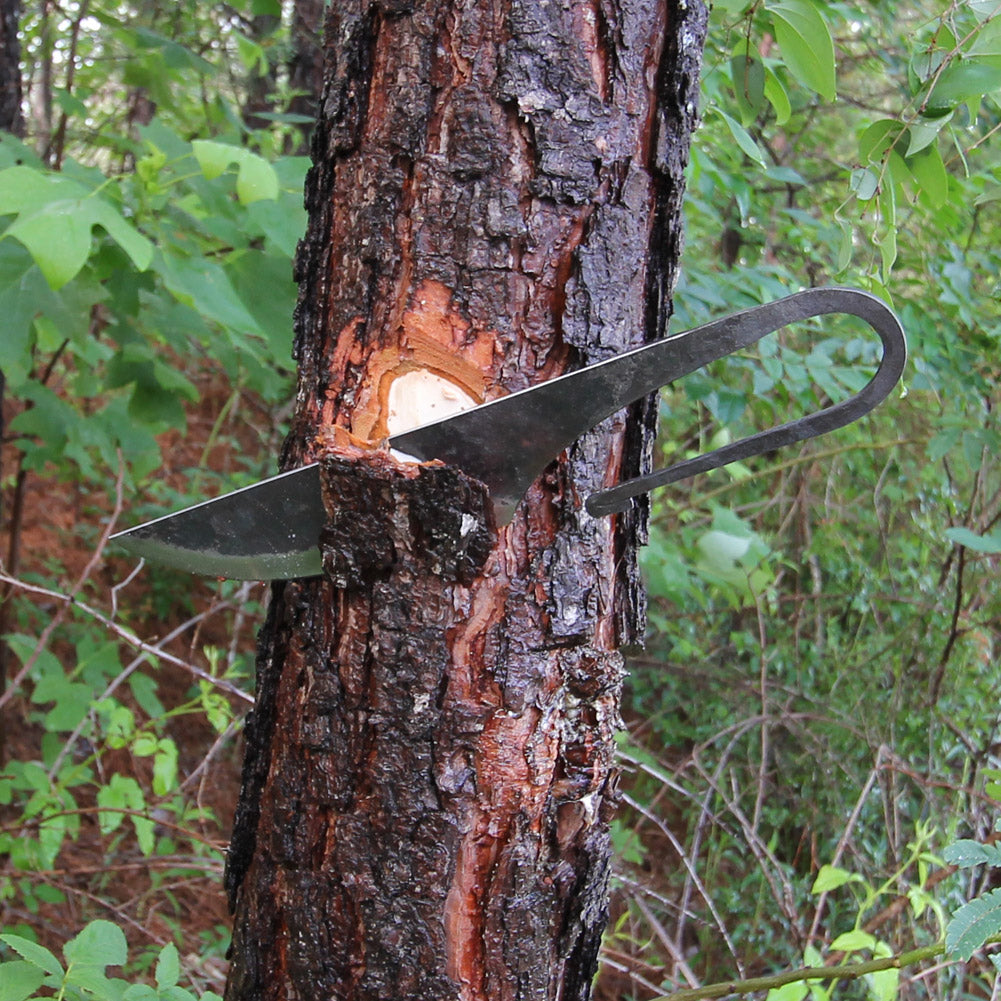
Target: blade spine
point(227, 495)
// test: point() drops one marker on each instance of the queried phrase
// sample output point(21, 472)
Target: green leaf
point(795, 991)
point(203, 284)
point(877, 139)
point(55, 217)
point(19, 980)
point(168, 966)
point(743, 138)
point(973, 924)
point(852, 941)
point(35, 954)
point(748, 75)
point(256, 180)
point(777, 96)
point(929, 171)
point(165, 767)
point(100, 943)
point(964, 80)
point(883, 984)
point(923, 134)
point(806, 44)
point(831, 877)
point(215, 157)
point(864, 183)
point(990, 544)
point(121, 792)
point(965, 853)
point(58, 237)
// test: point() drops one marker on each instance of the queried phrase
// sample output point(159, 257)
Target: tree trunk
point(429, 771)
point(305, 66)
point(11, 115)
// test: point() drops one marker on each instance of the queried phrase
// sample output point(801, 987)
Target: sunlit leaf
point(806, 44)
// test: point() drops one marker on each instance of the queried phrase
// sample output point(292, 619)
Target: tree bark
point(305, 66)
point(429, 771)
point(11, 114)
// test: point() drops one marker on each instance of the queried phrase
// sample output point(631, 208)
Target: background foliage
point(815, 718)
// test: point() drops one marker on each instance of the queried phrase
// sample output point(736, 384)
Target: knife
point(270, 530)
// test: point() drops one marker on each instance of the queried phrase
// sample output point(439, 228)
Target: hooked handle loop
point(770, 317)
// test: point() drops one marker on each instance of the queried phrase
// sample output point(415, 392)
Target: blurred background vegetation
point(813, 724)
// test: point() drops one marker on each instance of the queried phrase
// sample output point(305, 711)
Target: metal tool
point(270, 530)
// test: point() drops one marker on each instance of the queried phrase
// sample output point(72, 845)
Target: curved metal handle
point(801, 306)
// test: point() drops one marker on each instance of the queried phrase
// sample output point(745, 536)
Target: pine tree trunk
point(11, 116)
point(429, 773)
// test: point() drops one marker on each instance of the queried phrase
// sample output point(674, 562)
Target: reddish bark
point(429, 773)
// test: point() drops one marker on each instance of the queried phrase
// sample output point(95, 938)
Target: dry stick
point(69, 599)
point(667, 941)
point(686, 861)
point(843, 840)
point(738, 731)
point(134, 665)
point(123, 634)
point(620, 967)
point(779, 884)
point(692, 877)
point(765, 734)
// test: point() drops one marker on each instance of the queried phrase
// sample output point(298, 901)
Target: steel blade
point(267, 531)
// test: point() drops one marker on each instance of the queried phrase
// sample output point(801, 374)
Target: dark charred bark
point(11, 114)
point(430, 766)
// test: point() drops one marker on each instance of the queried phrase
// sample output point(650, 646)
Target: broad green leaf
point(168, 966)
point(203, 284)
point(743, 138)
point(55, 219)
point(795, 991)
point(973, 924)
point(35, 954)
point(965, 853)
point(58, 236)
point(864, 183)
point(19, 979)
point(984, 9)
point(165, 767)
point(990, 544)
point(988, 39)
point(922, 134)
point(121, 792)
point(806, 44)
point(965, 80)
point(215, 157)
point(142, 992)
point(831, 877)
point(852, 941)
point(883, 984)
point(139, 249)
point(991, 193)
point(929, 171)
point(100, 943)
point(256, 180)
point(877, 139)
point(748, 75)
point(777, 96)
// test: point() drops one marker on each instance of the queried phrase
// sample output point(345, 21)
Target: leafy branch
point(845, 971)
